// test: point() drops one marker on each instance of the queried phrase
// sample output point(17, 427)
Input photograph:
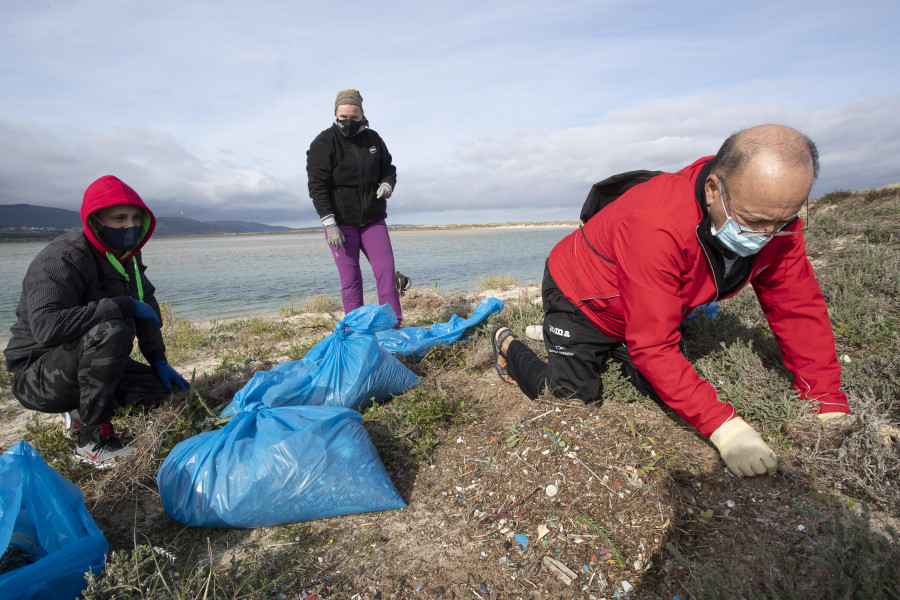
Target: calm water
point(220, 277)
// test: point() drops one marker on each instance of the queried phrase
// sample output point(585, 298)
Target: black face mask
point(120, 239)
point(349, 127)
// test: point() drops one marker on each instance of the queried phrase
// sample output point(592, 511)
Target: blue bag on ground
point(416, 341)
point(711, 311)
point(347, 369)
point(43, 521)
point(271, 466)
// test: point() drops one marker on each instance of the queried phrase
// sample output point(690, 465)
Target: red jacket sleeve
point(795, 309)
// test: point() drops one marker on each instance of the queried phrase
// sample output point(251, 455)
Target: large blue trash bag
point(347, 369)
point(271, 466)
point(43, 519)
point(416, 341)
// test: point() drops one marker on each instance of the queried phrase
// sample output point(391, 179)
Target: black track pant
point(93, 374)
point(576, 350)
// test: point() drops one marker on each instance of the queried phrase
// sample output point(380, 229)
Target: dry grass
point(474, 460)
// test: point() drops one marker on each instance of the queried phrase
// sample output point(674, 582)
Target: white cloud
point(497, 111)
point(528, 175)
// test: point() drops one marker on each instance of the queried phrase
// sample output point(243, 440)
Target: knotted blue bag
point(347, 368)
point(42, 517)
point(271, 466)
point(416, 341)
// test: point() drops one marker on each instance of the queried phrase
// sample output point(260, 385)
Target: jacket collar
point(714, 251)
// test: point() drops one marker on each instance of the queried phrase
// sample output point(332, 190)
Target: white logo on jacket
point(558, 331)
point(760, 270)
point(373, 150)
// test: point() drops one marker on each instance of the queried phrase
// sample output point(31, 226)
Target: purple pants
point(375, 243)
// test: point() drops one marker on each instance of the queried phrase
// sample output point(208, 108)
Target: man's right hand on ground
point(743, 450)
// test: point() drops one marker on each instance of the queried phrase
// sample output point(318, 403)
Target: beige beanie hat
point(348, 97)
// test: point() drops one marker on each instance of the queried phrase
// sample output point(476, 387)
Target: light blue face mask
point(742, 245)
point(730, 236)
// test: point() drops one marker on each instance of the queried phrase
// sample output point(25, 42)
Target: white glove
point(836, 418)
point(335, 235)
point(743, 450)
point(384, 191)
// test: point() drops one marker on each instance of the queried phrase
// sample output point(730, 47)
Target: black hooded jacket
point(344, 174)
point(71, 285)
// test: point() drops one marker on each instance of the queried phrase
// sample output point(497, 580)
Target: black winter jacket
point(344, 174)
point(67, 290)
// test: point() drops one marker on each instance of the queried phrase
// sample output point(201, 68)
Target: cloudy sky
point(493, 111)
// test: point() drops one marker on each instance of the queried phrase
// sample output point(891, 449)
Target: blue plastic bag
point(711, 311)
point(346, 369)
point(271, 466)
point(416, 341)
point(42, 515)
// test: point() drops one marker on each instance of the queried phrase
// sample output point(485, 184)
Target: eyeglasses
point(769, 234)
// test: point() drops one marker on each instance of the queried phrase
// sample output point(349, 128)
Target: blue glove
point(168, 375)
point(142, 310)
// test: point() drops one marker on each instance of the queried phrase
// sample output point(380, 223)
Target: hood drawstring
point(137, 274)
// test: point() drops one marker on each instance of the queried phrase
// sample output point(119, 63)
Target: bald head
point(770, 170)
point(784, 144)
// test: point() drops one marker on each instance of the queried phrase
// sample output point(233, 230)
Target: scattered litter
point(730, 503)
point(566, 574)
point(638, 565)
point(626, 587)
point(523, 540)
point(801, 528)
point(551, 490)
point(542, 531)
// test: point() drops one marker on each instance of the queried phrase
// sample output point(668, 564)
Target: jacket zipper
point(713, 269)
point(362, 185)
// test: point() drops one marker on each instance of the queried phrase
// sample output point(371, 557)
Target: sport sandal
point(497, 343)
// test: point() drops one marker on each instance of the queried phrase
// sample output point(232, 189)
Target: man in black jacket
point(84, 300)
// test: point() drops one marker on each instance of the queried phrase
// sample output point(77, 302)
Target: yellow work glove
point(743, 450)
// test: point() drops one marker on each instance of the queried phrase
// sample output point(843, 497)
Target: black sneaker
point(108, 450)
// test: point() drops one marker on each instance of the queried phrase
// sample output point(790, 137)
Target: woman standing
point(350, 178)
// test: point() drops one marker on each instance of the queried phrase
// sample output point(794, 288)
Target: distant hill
point(39, 217)
point(24, 221)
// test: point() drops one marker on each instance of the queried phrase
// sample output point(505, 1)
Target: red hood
point(110, 191)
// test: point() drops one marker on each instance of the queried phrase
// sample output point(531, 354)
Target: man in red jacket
point(622, 284)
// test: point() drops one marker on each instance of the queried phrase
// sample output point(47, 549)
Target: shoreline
point(454, 227)
point(503, 294)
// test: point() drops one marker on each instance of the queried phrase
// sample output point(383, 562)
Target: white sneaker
point(109, 450)
point(535, 332)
